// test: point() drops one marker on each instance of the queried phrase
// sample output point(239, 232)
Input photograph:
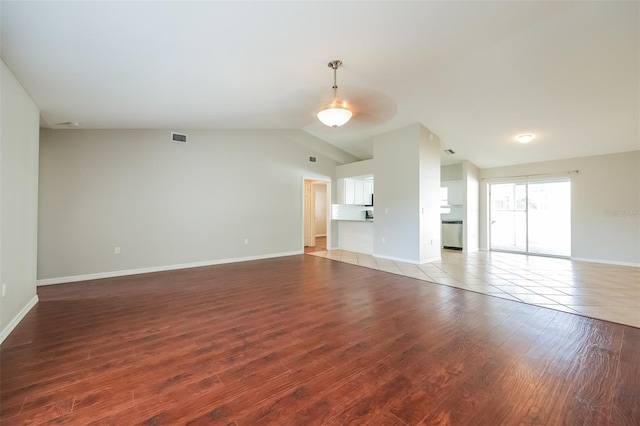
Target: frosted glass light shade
point(525, 138)
point(335, 114)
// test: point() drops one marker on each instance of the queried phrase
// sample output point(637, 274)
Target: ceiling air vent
point(70, 124)
point(449, 151)
point(178, 137)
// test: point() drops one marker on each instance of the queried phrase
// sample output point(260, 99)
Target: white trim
point(395, 259)
point(553, 176)
point(100, 275)
point(609, 262)
point(432, 259)
point(16, 320)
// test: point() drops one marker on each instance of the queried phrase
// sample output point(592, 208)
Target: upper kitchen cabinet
point(358, 191)
point(367, 192)
point(455, 192)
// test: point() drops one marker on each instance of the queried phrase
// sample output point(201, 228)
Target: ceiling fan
point(366, 106)
point(337, 112)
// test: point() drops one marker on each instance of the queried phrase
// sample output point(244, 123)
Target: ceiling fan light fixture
point(336, 113)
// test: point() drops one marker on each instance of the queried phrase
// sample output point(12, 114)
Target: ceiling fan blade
point(372, 107)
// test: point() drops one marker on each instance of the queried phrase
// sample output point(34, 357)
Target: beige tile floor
point(596, 290)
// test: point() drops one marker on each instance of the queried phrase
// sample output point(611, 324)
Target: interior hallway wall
point(320, 192)
point(18, 200)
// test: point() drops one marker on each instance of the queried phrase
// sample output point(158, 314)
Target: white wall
point(356, 236)
point(605, 204)
point(430, 224)
point(451, 172)
point(407, 204)
point(396, 228)
point(358, 168)
point(471, 190)
point(18, 201)
point(165, 203)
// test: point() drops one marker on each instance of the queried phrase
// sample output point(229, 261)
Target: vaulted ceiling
point(476, 73)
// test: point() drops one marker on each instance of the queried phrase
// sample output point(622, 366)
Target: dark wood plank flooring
point(303, 340)
point(321, 245)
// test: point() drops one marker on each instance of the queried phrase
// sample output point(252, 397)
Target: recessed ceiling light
point(525, 138)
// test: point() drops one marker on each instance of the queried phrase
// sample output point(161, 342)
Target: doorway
point(316, 219)
point(531, 217)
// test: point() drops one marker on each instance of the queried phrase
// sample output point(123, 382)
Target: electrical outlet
point(246, 241)
point(383, 241)
point(116, 250)
point(4, 289)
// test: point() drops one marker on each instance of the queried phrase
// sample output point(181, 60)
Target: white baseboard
point(608, 262)
point(397, 259)
point(413, 262)
point(16, 320)
point(429, 260)
point(100, 275)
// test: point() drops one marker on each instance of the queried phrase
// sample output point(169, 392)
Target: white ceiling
point(475, 73)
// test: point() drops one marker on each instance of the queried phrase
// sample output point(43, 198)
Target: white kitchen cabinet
point(368, 192)
point(349, 191)
point(454, 192)
point(357, 191)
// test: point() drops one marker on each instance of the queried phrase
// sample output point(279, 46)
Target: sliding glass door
point(549, 218)
point(531, 217)
point(509, 217)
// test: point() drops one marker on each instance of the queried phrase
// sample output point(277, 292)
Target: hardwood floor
point(320, 246)
point(304, 340)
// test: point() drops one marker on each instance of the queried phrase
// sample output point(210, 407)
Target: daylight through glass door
point(532, 217)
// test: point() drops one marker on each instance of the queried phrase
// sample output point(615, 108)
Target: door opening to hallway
point(316, 215)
